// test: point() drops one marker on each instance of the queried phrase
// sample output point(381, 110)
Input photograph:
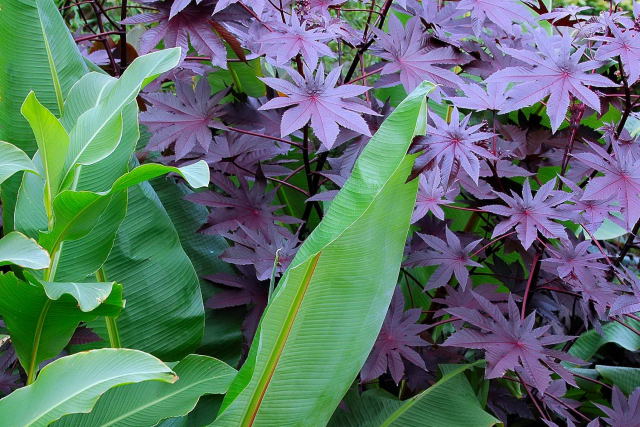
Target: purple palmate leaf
point(244, 205)
point(183, 120)
point(625, 43)
point(621, 177)
point(287, 41)
point(456, 141)
point(479, 99)
point(398, 335)
point(503, 13)
point(623, 412)
point(556, 73)
point(511, 343)
point(431, 195)
point(317, 99)
point(181, 22)
point(530, 214)
point(404, 50)
point(241, 290)
point(259, 248)
point(450, 257)
point(574, 261)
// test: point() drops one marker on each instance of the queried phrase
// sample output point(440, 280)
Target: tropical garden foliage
point(319, 212)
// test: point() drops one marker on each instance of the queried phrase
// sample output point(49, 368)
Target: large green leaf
point(319, 328)
point(18, 249)
point(586, 346)
point(77, 212)
point(52, 140)
point(12, 160)
point(369, 409)
point(41, 57)
point(88, 295)
point(627, 379)
point(162, 289)
point(74, 383)
point(451, 402)
point(97, 130)
point(41, 327)
point(148, 403)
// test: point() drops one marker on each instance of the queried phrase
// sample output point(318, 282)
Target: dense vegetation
point(319, 212)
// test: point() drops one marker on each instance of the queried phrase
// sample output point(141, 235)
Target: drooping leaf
point(41, 327)
point(162, 286)
point(77, 212)
point(325, 285)
point(18, 249)
point(150, 402)
point(589, 342)
point(98, 130)
point(74, 383)
point(12, 160)
point(44, 59)
point(88, 295)
point(368, 409)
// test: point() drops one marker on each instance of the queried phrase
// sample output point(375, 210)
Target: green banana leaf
point(329, 306)
point(73, 383)
point(40, 327)
point(13, 160)
point(52, 140)
point(627, 379)
point(160, 283)
point(451, 402)
point(586, 346)
point(148, 403)
point(18, 249)
point(369, 409)
point(41, 57)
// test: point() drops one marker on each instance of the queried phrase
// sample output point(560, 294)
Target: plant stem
point(112, 326)
point(49, 276)
point(533, 273)
point(628, 244)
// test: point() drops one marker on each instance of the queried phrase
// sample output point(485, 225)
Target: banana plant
point(328, 308)
point(40, 310)
point(162, 288)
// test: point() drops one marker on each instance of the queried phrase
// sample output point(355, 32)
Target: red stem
point(532, 274)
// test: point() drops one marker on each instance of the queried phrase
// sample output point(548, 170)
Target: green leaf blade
point(352, 285)
point(148, 403)
point(18, 249)
point(74, 383)
point(13, 160)
point(52, 140)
